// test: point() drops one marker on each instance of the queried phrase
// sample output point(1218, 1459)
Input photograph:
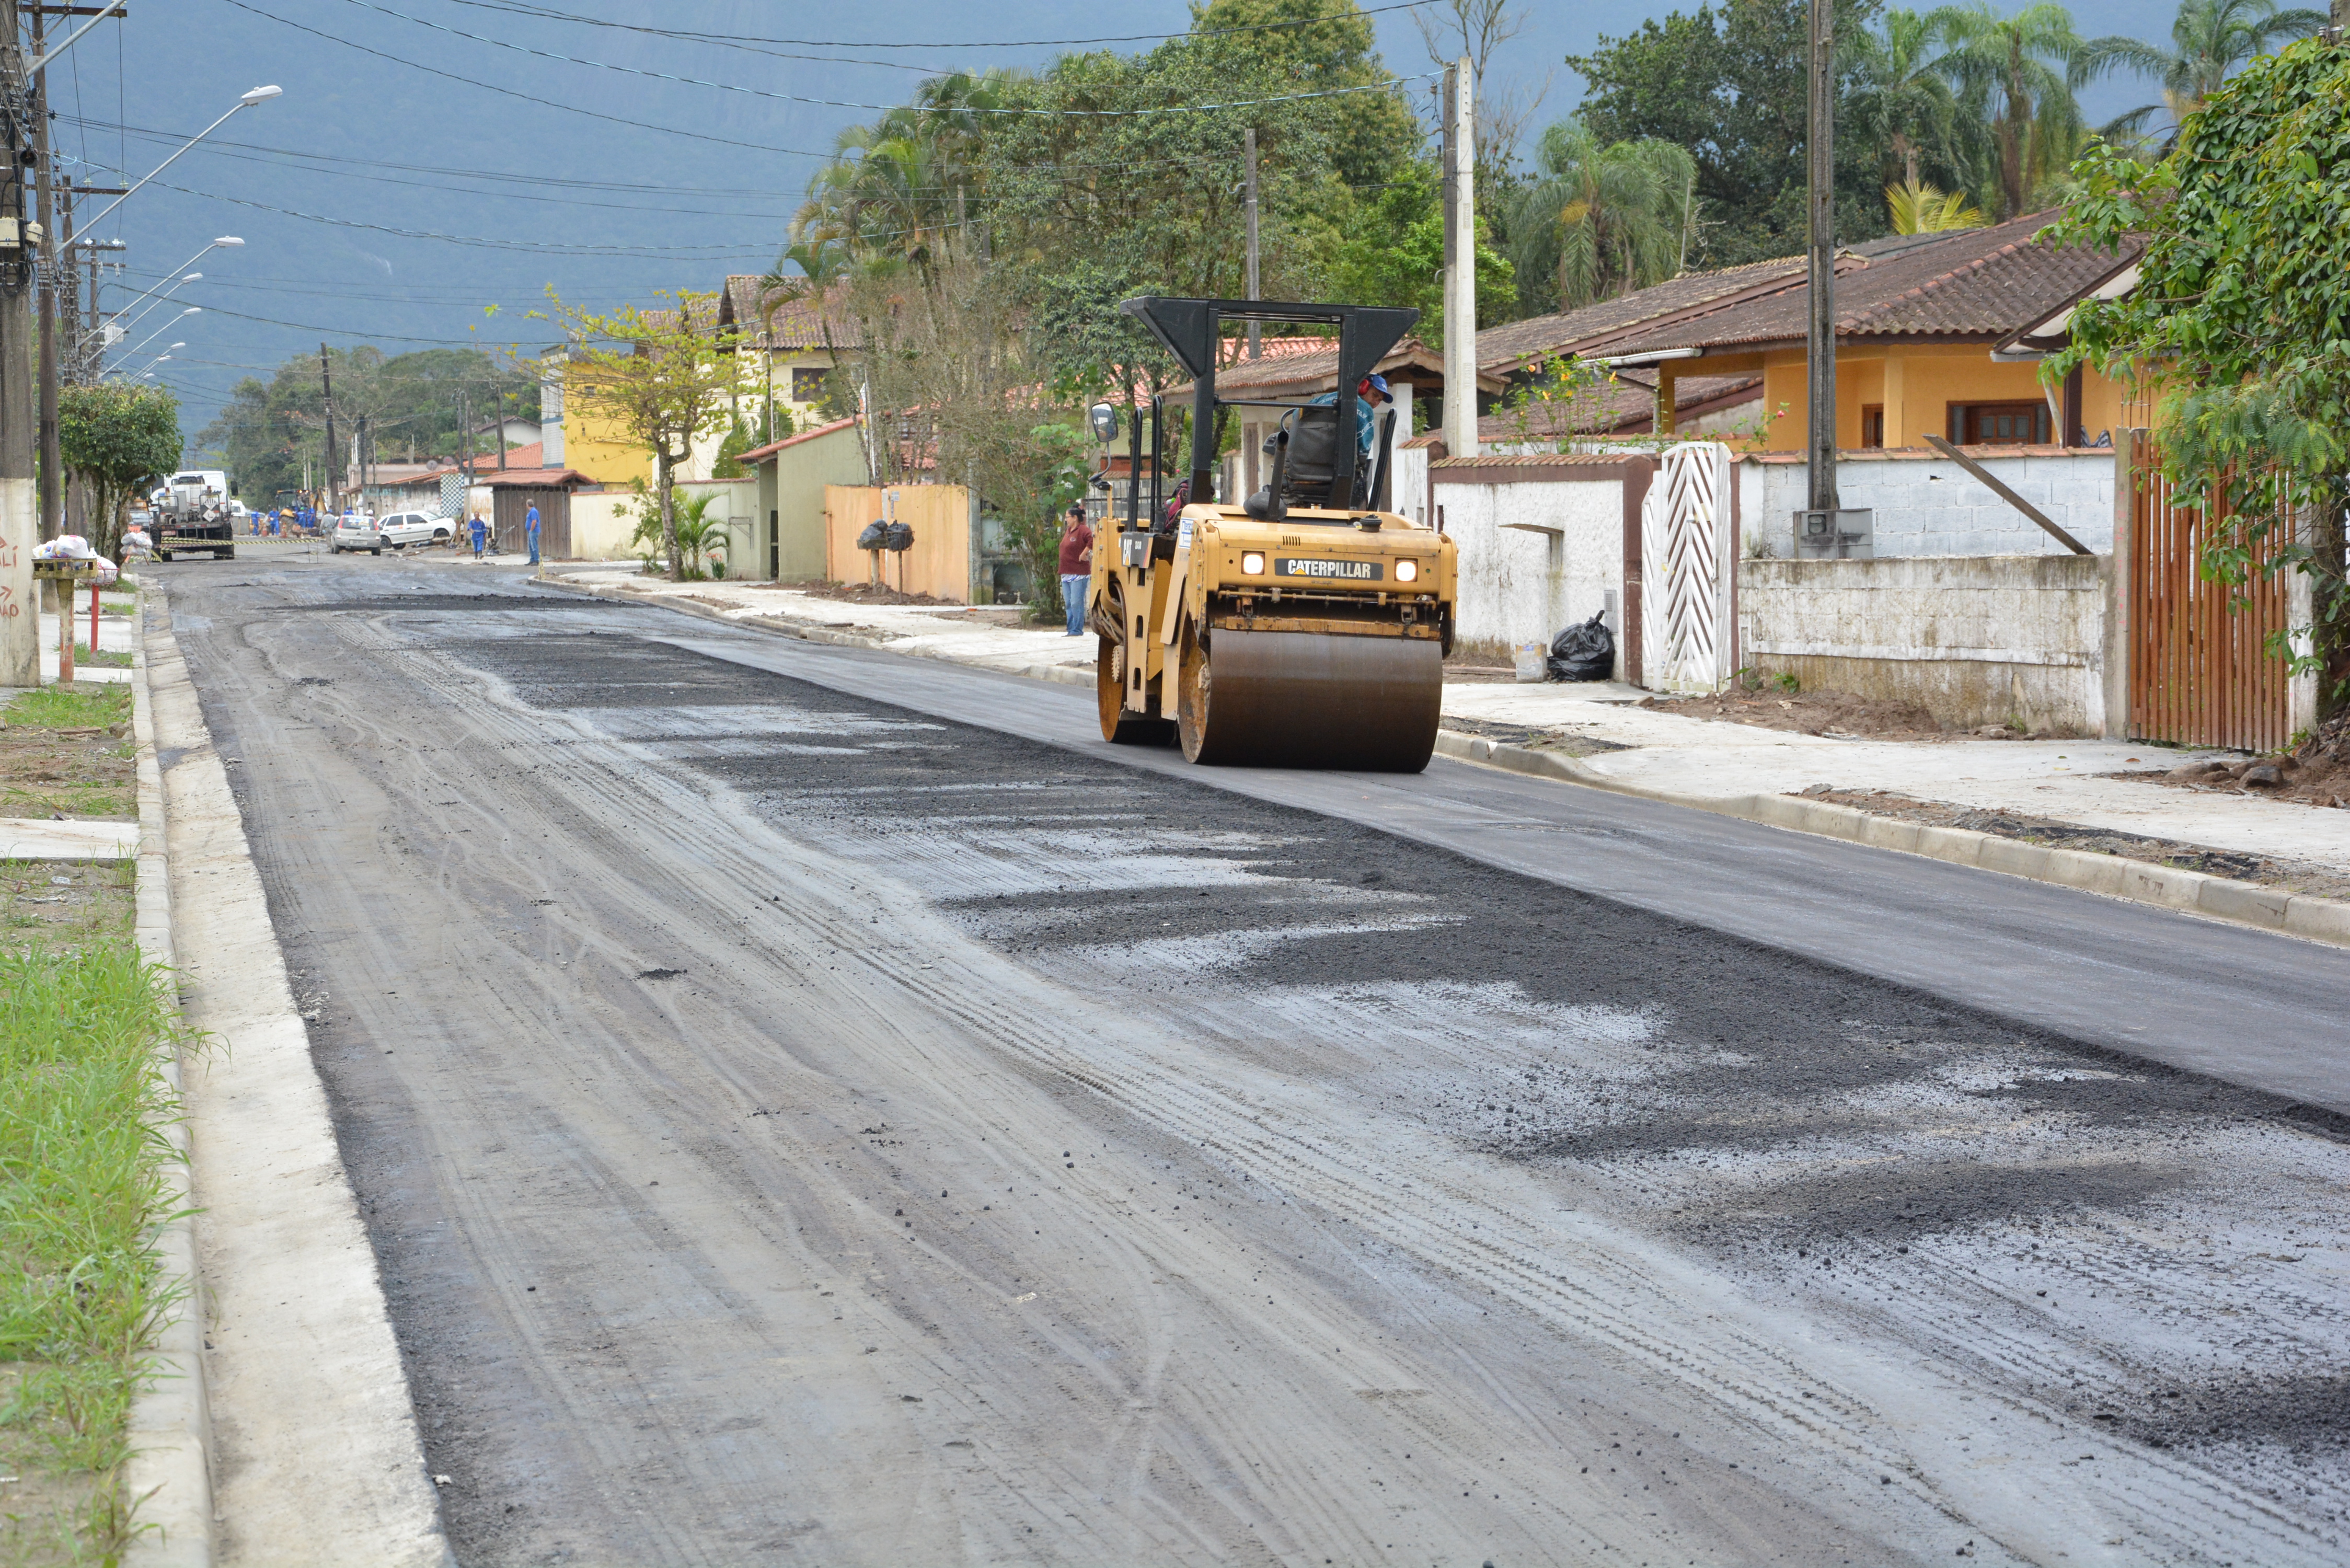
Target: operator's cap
point(1378, 384)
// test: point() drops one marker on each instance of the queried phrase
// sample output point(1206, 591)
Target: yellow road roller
point(1306, 626)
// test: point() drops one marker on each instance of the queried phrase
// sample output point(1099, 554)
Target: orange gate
point(2200, 673)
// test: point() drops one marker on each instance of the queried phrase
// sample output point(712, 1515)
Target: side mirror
point(1105, 420)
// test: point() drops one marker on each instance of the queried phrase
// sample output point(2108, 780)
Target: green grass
point(83, 1026)
point(75, 706)
point(43, 773)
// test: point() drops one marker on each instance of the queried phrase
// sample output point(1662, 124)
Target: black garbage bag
point(871, 539)
point(1582, 653)
point(897, 536)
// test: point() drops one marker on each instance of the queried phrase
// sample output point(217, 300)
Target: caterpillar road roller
point(1307, 626)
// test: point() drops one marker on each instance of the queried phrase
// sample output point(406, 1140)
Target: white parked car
point(355, 530)
point(403, 529)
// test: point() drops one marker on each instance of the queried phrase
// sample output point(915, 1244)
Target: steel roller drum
point(1288, 698)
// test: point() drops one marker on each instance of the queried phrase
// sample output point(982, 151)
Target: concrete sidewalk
point(1663, 753)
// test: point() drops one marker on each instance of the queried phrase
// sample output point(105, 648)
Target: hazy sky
point(439, 175)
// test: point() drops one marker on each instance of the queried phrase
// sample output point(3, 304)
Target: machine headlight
point(1406, 571)
point(1253, 563)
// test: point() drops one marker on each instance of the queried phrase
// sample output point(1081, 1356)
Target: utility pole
point(327, 393)
point(1819, 352)
point(52, 474)
point(1256, 344)
point(1461, 259)
point(20, 616)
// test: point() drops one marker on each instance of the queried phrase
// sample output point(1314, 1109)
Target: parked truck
point(192, 514)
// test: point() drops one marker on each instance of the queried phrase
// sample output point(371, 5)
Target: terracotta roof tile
point(796, 324)
point(1975, 284)
point(1506, 348)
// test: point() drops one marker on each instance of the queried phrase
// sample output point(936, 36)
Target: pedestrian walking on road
point(530, 530)
point(480, 532)
point(1076, 566)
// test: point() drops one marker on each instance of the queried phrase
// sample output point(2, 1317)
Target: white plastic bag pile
point(74, 548)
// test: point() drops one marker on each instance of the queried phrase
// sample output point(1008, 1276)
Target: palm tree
point(1906, 105)
point(1918, 209)
point(2209, 39)
point(2018, 74)
point(1605, 221)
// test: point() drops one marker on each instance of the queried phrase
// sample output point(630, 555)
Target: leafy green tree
point(1394, 256)
point(1603, 220)
point(1904, 107)
point(2239, 323)
point(663, 378)
point(1923, 209)
point(2209, 39)
point(738, 439)
point(1728, 83)
point(118, 437)
point(2018, 75)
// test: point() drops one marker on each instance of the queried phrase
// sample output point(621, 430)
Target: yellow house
point(1936, 335)
point(787, 355)
point(786, 359)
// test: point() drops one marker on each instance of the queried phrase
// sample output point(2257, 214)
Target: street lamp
point(135, 320)
point(226, 242)
point(192, 310)
point(256, 95)
point(163, 356)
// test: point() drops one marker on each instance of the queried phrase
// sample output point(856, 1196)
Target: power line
point(506, 195)
point(549, 14)
point(553, 247)
point(526, 98)
point(346, 332)
point(871, 108)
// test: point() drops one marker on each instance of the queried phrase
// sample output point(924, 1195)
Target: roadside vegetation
point(83, 1025)
point(66, 750)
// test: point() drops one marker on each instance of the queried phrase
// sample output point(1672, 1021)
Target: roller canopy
point(1189, 328)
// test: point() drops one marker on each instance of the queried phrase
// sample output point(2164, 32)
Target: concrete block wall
point(1928, 506)
point(1519, 586)
point(1975, 641)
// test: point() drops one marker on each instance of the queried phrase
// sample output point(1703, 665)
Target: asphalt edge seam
point(2167, 886)
point(170, 1470)
point(2114, 876)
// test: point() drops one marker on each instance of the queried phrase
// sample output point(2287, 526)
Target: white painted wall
point(1518, 586)
point(1976, 640)
point(1409, 490)
point(1931, 506)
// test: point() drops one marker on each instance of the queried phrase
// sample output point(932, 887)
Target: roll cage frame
point(1190, 329)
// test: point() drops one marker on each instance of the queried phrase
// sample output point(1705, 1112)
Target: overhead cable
point(875, 108)
point(547, 12)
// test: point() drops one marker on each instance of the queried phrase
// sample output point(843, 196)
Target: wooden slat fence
point(2200, 670)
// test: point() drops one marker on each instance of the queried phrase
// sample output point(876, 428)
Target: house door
point(2200, 673)
point(1688, 561)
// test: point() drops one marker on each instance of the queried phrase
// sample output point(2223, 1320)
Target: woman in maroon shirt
point(1076, 566)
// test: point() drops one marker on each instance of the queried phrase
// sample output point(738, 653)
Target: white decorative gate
point(1688, 552)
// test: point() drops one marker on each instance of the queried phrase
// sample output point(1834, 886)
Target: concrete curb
point(2196, 892)
point(315, 1453)
point(169, 1468)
